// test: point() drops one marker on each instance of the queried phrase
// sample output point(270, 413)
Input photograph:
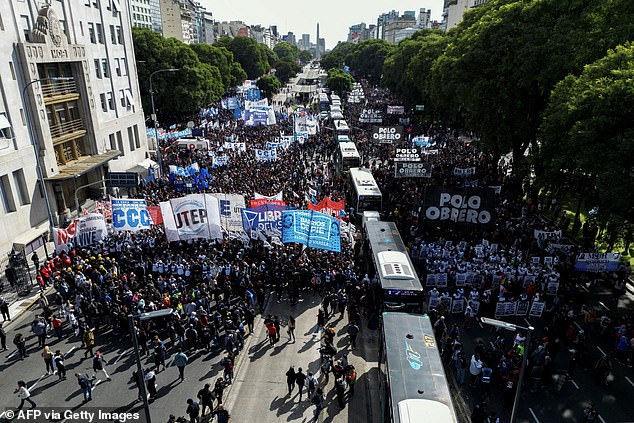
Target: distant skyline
point(334, 16)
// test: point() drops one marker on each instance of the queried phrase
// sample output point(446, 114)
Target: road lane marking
point(601, 418)
point(602, 352)
point(574, 383)
point(12, 354)
point(480, 323)
point(70, 351)
point(533, 414)
point(629, 380)
point(583, 286)
point(121, 356)
point(95, 385)
point(38, 381)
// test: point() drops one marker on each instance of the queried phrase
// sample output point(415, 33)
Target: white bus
point(341, 127)
point(347, 157)
point(362, 191)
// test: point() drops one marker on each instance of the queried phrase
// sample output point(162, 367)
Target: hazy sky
point(301, 17)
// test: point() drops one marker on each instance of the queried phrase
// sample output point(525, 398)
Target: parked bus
point(362, 191)
point(347, 156)
point(398, 287)
point(413, 387)
point(324, 104)
point(341, 127)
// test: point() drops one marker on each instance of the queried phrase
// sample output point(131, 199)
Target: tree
point(222, 59)
point(367, 58)
point(339, 81)
point(337, 56)
point(195, 85)
point(284, 50)
point(589, 117)
point(285, 69)
point(269, 84)
point(251, 55)
point(305, 56)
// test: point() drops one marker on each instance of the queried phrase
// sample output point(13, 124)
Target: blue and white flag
point(265, 155)
point(130, 215)
point(311, 228)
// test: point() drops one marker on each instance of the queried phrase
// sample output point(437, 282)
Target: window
point(7, 196)
point(104, 103)
point(131, 139)
point(99, 33)
point(113, 143)
point(137, 141)
point(5, 126)
point(110, 100)
point(98, 68)
point(122, 97)
point(26, 26)
point(12, 69)
point(91, 32)
point(120, 143)
point(113, 36)
point(106, 68)
point(87, 2)
point(1, 24)
point(23, 117)
point(20, 183)
point(95, 3)
point(119, 35)
point(117, 67)
point(124, 66)
point(81, 28)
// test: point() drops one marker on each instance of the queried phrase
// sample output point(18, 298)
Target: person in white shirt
point(475, 368)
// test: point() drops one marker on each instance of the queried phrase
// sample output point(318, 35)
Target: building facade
point(81, 118)
point(454, 10)
point(179, 19)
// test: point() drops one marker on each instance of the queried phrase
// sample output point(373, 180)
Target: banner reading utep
point(191, 217)
point(130, 215)
point(461, 206)
point(260, 200)
point(329, 207)
point(83, 232)
point(311, 228)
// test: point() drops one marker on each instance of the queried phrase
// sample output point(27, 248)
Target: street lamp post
point(139, 366)
point(154, 118)
point(513, 327)
point(38, 164)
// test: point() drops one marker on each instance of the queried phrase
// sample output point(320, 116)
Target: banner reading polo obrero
point(311, 228)
point(191, 217)
point(84, 231)
point(130, 215)
point(466, 206)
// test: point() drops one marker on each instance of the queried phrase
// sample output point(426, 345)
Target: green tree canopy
point(270, 85)
point(284, 50)
point(590, 117)
point(222, 59)
point(339, 81)
point(252, 56)
point(286, 68)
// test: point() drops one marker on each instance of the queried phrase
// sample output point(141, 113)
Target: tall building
point(207, 34)
point(304, 43)
point(290, 38)
point(391, 23)
point(361, 32)
point(454, 10)
point(180, 20)
point(77, 129)
point(141, 13)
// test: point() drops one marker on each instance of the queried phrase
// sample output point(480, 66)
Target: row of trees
point(207, 71)
point(552, 78)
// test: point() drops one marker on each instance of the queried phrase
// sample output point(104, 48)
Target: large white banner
point(265, 155)
point(130, 215)
point(231, 206)
point(83, 232)
point(191, 217)
point(248, 104)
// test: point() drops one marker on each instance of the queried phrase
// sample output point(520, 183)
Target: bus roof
point(364, 182)
point(390, 256)
point(348, 150)
point(414, 370)
point(341, 125)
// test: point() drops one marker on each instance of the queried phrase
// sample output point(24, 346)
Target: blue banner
point(265, 219)
point(253, 94)
point(311, 228)
point(255, 117)
point(130, 215)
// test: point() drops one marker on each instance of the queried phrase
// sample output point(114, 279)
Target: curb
point(27, 305)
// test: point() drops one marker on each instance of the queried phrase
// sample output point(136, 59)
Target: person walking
point(3, 337)
point(219, 389)
point(290, 379)
point(4, 309)
point(99, 365)
point(311, 383)
point(24, 394)
point(318, 400)
point(58, 359)
point(150, 383)
point(475, 368)
point(222, 414)
point(276, 324)
point(291, 328)
point(47, 356)
point(300, 379)
point(340, 390)
point(227, 364)
point(56, 322)
point(193, 411)
point(351, 379)
point(353, 331)
point(20, 342)
point(89, 342)
point(160, 352)
point(38, 327)
point(85, 384)
point(206, 397)
point(180, 361)
point(321, 319)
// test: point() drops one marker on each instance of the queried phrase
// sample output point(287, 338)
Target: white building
point(141, 13)
point(83, 126)
point(180, 20)
point(454, 10)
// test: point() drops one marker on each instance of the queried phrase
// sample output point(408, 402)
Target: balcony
point(59, 91)
point(67, 131)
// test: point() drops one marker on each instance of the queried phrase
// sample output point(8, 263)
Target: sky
point(299, 17)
